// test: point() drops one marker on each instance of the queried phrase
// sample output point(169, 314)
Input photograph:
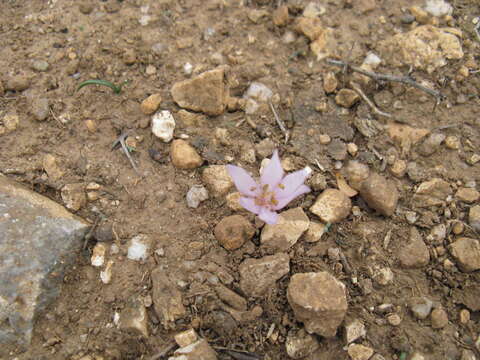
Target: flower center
point(266, 198)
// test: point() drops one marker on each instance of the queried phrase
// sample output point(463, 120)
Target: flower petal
point(302, 189)
point(270, 217)
point(243, 181)
point(291, 183)
point(249, 204)
point(272, 174)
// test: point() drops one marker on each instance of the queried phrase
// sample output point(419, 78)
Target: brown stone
point(330, 82)
point(73, 196)
point(319, 301)
point(439, 318)
point(359, 352)
point(415, 254)
point(167, 299)
point(285, 233)
point(151, 104)
point(380, 194)
point(347, 98)
point(259, 275)
point(431, 193)
point(217, 180)
point(466, 253)
point(280, 16)
point(205, 93)
point(332, 206)
point(184, 156)
point(467, 195)
point(311, 28)
point(233, 231)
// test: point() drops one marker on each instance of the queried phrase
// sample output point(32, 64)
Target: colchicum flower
point(273, 192)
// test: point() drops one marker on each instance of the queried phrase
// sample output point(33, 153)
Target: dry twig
point(280, 123)
point(385, 77)
point(169, 347)
point(370, 103)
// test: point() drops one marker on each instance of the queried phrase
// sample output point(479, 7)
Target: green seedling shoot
point(116, 88)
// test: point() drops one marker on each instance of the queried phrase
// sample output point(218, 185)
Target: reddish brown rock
point(233, 231)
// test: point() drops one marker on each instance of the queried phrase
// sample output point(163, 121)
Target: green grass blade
point(116, 89)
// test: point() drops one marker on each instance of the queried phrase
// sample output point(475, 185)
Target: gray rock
point(258, 275)
point(318, 300)
point(421, 307)
point(283, 235)
point(40, 109)
point(39, 239)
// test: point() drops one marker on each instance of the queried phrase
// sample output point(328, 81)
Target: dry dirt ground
point(83, 40)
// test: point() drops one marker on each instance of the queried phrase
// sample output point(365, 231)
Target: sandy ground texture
point(389, 229)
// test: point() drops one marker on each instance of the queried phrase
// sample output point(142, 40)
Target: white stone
point(372, 60)
point(438, 8)
point(138, 248)
point(106, 274)
point(163, 125)
point(258, 91)
point(98, 254)
point(188, 68)
point(196, 195)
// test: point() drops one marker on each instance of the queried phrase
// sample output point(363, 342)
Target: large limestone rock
point(38, 240)
point(425, 47)
point(205, 93)
point(319, 301)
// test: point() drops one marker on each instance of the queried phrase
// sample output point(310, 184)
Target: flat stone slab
point(38, 240)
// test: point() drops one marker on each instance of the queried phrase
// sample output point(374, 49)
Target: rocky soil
point(379, 261)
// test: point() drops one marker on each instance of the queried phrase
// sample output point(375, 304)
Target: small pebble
point(464, 316)
point(325, 139)
point(91, 126)
point(40, 65)
point(40, 108)
point(439, 318)
point(394, 319)
point(352, 149)
point(452, 142)
point(151, 104)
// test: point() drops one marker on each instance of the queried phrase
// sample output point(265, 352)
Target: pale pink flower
point(273, 192)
